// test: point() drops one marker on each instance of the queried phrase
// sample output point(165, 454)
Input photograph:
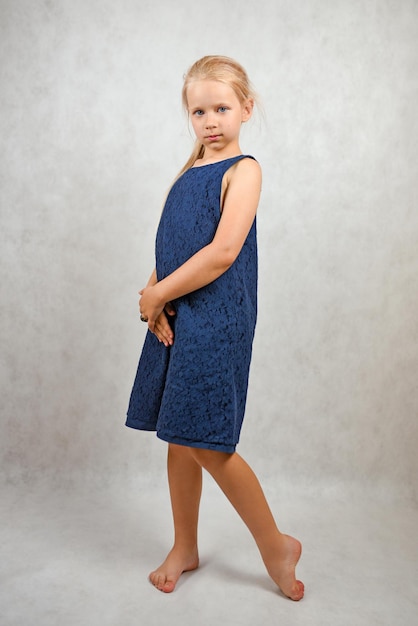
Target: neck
point(210, 156)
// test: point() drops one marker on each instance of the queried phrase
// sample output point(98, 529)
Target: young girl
point(200, 305)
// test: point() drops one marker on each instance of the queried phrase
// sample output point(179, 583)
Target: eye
point(198, 112)
point(222, 109)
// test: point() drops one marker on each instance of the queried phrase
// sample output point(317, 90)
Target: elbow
point(229, 258)
point(226, 258)
point(222, 256)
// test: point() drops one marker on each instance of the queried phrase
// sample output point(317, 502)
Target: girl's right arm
point(239, 210)
point(162, 328)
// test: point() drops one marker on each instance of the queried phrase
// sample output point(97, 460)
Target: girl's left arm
point(239, 209)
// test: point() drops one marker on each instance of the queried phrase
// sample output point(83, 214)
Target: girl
point(200, 306)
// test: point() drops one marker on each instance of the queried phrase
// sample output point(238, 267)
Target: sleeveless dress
point(193, 393)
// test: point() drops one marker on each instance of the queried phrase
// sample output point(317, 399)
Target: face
point(217, 114)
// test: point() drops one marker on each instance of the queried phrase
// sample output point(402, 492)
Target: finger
point(170, 309)
point(163, 330)
point(166, 331)
point(162, 339)
point(165, 337)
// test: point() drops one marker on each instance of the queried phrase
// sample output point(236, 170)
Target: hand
point(152, 309)
point(150, 305)
point(162, 328)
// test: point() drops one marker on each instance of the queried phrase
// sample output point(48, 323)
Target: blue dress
point(194, 392)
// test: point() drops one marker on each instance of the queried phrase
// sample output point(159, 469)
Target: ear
point(247, 110)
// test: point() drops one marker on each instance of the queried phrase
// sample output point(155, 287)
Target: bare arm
point(240, 206)
point(152, 279)
point(162, 328)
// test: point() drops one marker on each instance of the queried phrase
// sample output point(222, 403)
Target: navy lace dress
point(194, 392)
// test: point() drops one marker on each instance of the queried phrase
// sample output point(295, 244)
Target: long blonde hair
point(224, 70)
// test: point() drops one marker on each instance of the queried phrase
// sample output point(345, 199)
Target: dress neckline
point(197, 167)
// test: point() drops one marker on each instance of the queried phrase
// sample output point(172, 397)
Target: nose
point(210, 121)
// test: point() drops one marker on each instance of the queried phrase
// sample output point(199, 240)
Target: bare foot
point(281, 565)
point(166, 576)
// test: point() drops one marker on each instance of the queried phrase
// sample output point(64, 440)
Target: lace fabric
point(194, 392)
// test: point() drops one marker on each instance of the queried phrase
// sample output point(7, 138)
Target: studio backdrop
point(92, 135)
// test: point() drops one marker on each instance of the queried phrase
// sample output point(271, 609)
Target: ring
point(143, 319)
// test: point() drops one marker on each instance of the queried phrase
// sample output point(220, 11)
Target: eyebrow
point(217, 105)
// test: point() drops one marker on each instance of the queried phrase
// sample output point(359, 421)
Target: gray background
point(92, 134)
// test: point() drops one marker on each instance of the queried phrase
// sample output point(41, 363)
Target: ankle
point(186, 545)
point(271, 543)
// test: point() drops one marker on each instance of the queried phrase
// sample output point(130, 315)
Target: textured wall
point(92, 133)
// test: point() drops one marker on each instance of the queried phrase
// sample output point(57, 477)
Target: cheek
point(195, 123)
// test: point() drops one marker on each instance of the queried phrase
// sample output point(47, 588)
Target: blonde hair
point(224, 70)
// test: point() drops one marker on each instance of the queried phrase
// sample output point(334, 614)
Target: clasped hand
point(155, 312)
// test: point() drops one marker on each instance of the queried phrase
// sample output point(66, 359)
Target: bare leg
point(280, 552)
point(185, 482)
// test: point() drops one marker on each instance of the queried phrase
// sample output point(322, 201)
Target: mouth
point(213, 137)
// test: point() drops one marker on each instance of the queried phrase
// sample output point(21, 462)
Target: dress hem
point(149, 426)
point(180, 441)
point(204, 445)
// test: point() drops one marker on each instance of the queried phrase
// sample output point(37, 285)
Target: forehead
point(209, 91)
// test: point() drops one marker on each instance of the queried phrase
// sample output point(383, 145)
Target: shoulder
point(246, 170)
point(249, 165)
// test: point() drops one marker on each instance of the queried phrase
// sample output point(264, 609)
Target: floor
point(77, 557)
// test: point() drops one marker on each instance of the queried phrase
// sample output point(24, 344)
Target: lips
point(212, 137)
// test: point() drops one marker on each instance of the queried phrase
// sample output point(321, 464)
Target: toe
point(157, 580)
point(168, 585)
point(161, 581)
point(298, 591)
